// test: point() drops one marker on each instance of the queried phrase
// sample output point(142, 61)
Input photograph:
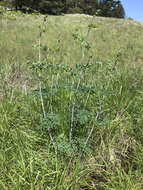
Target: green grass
point(113, 158)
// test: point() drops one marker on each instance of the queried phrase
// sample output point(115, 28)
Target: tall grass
point(113, 157)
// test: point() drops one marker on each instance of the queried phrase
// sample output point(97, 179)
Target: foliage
point(107, 8)
point(112, 8)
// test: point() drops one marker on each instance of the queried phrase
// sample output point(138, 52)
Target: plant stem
point(41, 97)
point(40, 89)
point(91, 131)
point(73, 110)
point(96, 118)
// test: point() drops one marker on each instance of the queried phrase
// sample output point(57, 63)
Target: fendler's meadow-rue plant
point(84, 46)
point(38, 67)
point(67, 96)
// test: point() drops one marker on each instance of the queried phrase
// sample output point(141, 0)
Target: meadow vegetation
point(71, 91)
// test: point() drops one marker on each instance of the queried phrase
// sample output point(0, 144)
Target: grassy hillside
point(71, 91)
